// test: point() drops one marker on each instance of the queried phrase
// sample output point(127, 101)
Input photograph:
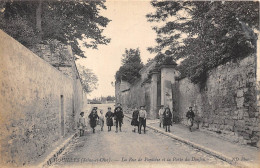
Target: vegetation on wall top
point(31, 22)
point(131, 65)
point(204, 34)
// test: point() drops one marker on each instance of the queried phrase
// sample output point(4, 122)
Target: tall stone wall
point(131, 96)
point(58, 55)
point(228, 102)
point(152, 89)
point(141, 92)
point(38, 104)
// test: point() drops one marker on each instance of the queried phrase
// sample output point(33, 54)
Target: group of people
point(165, 115)
point(95, 119)
point(138, 119)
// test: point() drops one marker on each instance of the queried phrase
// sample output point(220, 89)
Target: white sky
point(128, 29)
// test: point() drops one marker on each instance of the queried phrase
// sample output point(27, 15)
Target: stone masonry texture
point(31, 93)
point(227, 104)
point(136, 94)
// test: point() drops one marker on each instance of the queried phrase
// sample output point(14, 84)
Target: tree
point(131, 65)
point(88, 78)
point(204, 34)
point(66, 21)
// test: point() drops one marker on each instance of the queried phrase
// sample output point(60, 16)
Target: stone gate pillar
point(153, 106)
point(168, 74)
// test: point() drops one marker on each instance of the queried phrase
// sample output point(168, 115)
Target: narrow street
point(127, 147)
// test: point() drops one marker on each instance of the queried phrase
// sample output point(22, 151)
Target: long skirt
point(93, 123)
point(167, 121)
point(109, 121)
point(134, 122)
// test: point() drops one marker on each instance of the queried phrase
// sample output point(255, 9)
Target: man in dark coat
point(190, 115)
point(118, 116)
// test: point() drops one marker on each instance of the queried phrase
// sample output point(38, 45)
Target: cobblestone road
point(125, 148)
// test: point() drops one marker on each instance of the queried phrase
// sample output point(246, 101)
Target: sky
point(128, 29)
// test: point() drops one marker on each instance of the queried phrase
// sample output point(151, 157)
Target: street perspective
point(120, 83)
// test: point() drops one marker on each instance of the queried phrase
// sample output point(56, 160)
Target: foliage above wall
point(204, 34)
point(131, 65)
point(89, 80)
point(31, 22)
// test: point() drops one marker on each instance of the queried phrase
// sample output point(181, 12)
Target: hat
point(81, 113)
point(190, 107)
point(161, 105)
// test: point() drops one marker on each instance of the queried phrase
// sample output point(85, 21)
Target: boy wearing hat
point(190, 115)
point(142, 118)
point(118, 116)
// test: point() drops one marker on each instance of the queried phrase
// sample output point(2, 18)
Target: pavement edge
point(56, 152)
point(197, 146)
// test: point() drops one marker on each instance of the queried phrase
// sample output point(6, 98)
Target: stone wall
point(131, 96)
point(152, 89)
point(227, 104)
point(140, 92)
point(58, 55)
point(38, 104)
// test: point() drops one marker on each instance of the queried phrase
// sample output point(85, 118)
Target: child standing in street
point(167, 119)
point(142, 119)
point(190, 115)
point(93, 119)
point(101, 120)
point(118, 116)
point(109, 118)
point(134, 121)
point(81, 124)
point(161, 111)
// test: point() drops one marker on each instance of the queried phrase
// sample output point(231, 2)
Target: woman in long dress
point(93, 119)
point(109, 118)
